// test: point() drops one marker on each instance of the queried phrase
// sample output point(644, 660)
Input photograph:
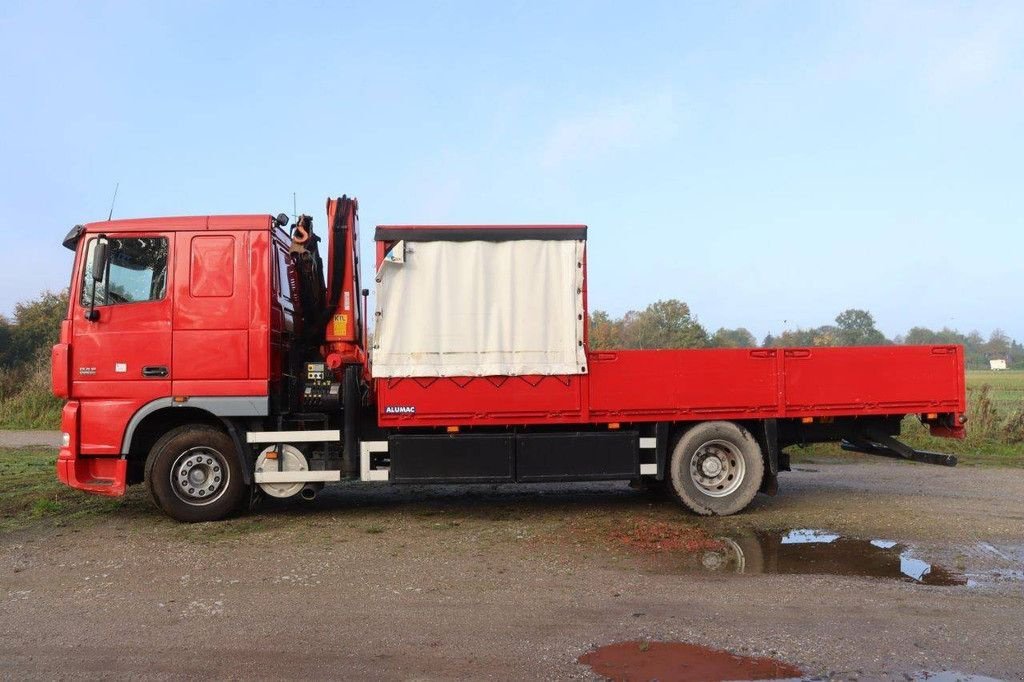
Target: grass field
point(1006, 387)
point(30, 492)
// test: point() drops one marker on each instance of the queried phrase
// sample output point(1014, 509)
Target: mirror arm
point(91, 315)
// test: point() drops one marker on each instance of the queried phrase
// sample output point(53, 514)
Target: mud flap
point(770, 443)
point(244, 451)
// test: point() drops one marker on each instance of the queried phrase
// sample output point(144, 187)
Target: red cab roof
point(189, 223)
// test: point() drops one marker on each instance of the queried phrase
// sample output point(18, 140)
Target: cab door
point(121, 335)
point(211, 314)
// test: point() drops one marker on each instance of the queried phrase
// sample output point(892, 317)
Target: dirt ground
point(517, 583)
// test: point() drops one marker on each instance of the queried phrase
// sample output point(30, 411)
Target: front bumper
point(94, 474)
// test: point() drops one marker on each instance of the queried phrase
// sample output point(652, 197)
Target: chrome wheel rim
point(199, 476)
point(717, 468)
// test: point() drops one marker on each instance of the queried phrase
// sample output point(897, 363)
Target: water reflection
point(806, 535)
point(808, 551)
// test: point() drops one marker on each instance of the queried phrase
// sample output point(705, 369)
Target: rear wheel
point(716, 468)
point(193, 474)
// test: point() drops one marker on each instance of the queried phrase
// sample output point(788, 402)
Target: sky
point(769, 163)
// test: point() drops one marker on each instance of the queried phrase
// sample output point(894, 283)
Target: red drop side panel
point(689, 385)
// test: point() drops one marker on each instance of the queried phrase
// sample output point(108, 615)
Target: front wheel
point(193, 474)
point(716, 468)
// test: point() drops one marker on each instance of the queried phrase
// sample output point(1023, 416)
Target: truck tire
point(193, 474)
point(716, 468)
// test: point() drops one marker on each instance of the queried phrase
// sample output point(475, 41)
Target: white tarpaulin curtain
point(480, 308)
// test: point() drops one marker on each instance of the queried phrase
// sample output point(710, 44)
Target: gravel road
point(457, 582)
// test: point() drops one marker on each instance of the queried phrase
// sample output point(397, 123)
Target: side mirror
point(99, 269)
point(99, 261)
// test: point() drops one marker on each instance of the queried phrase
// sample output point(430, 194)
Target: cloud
point(591, 135)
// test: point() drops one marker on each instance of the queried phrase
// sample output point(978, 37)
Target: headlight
point(65, 439)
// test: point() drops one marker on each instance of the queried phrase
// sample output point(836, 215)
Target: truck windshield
point(136, 271)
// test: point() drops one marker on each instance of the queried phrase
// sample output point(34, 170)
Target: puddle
point(808, 551)
point(680, 661)
point(671, 547)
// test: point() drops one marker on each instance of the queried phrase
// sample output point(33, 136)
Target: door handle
point(154, 371)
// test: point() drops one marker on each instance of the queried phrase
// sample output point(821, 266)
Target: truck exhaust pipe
point(309, 491)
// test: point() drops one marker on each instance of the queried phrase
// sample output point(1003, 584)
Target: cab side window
point(136, 271)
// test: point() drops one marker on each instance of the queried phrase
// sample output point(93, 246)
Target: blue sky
point(769, 163)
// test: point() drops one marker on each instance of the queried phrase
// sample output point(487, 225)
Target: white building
point(997, 364)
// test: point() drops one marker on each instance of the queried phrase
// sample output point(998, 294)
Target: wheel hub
point(199, 475)
point(711, 466)
point(717, 468)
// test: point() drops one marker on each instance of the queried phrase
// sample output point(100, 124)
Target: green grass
point(995, 410)
point(31, 410)
point(1008, 379)
point(1005, 388)
point(31, 494)
point(25, 398)
point(31, 497)
point(976, 448)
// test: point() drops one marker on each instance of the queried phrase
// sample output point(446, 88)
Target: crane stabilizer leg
point(884, 445)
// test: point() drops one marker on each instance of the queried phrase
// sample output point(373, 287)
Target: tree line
point(34, 328)
point(671, 324)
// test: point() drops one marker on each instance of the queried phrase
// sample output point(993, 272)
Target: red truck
point(216, 359)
